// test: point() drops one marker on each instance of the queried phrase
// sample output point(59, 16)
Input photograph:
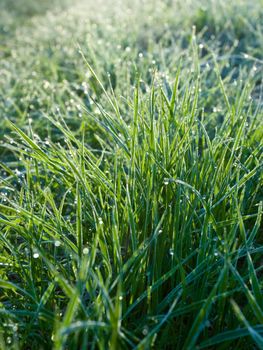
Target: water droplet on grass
point(166, 182)
point(57, 243)
point(86, 251)
point(145, 331)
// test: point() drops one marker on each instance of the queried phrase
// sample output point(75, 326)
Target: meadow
point(131, 139)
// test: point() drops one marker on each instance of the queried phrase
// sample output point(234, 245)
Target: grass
point(131, 175)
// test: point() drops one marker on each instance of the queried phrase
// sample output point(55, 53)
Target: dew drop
point(86, 251)
point(57, 243)
point(171, 252)
point(145, 331)
point(166, 182)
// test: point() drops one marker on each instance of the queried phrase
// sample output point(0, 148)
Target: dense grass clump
point(131, 175)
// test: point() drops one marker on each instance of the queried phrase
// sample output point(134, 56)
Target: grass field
point(131, 174)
